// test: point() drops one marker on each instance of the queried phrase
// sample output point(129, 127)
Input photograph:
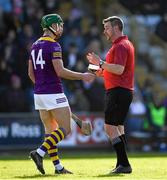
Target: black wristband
point(101, 63)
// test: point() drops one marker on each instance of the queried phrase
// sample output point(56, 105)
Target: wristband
point(101, 63)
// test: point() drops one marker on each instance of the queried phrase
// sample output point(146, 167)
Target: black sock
point(118, 163)
point(123, 138)
point(119, 147)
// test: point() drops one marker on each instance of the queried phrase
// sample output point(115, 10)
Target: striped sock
point(53, 153)
point(52, 140)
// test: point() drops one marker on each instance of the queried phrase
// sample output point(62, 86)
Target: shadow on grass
point(36, 176)
point(110, 175)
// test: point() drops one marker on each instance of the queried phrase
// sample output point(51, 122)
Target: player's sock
point(55, 137)
point(119, 147)
point(53, 153)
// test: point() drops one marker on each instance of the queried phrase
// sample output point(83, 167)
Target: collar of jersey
point(120, 38)
point(46, 38)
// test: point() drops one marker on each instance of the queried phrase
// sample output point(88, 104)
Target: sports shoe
point(63, 171)
point(86, 128)
point(38, 161)
point(122, 169)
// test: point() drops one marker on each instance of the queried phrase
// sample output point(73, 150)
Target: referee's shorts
point(117, 102)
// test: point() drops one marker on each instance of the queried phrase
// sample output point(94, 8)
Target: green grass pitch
point(86, 165)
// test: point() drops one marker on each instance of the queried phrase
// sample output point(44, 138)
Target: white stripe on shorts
point(50, 101)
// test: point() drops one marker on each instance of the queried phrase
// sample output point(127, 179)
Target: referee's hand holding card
point(94, 66)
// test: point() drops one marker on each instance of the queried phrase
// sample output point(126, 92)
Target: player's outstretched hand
point(93, 58)
point(88, 77)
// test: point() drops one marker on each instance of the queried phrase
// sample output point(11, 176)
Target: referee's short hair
point(115, 21)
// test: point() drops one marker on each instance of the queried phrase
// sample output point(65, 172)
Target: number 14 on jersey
point(39, 60)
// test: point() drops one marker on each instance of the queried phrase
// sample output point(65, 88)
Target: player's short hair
point(115, 21)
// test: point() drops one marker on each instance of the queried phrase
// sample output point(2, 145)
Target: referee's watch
point(101, 63)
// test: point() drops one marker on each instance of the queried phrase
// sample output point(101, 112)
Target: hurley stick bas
point(86, 127)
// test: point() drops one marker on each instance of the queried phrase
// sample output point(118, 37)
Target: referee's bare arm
point(113, 68)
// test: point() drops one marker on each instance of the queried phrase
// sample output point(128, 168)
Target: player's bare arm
point(68, 74)
point(113, 68)
point(30, 71)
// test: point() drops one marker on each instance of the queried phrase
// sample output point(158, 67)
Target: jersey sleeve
point(120, 55)
point(56, 51)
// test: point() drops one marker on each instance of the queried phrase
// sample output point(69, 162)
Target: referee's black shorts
point(117, 102)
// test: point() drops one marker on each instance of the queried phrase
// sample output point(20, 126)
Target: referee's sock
point(53, 153)
point(124, 138)
point(119, 147)
point(52, 140)
point(118, 163)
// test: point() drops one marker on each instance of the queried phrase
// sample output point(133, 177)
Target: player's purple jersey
point(43, 51)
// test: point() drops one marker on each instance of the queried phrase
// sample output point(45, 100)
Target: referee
point(118, 74)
